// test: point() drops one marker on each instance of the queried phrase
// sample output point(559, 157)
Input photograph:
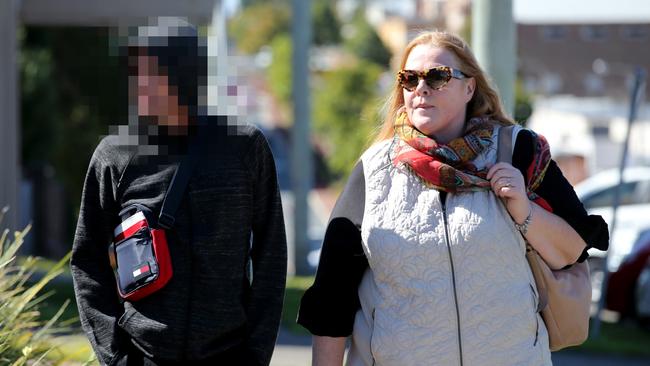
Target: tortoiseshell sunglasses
point(436, 78)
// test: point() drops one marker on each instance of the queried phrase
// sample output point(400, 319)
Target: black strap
point(176, 189)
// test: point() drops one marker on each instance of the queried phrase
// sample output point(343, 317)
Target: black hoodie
point(230, 214)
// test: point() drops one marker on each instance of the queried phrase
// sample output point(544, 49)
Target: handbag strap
point(504, 155)
point(174, 194)
point(504, 147)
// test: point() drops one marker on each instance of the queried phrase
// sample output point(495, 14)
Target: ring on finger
point(507, 182)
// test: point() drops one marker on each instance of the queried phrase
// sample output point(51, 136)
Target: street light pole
point(636, 96)
point(301, 156)
point(494, 43)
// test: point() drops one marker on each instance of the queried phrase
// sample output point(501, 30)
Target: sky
point(592, 11)
point(558, 11)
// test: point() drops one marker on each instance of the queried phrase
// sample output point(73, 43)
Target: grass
point(296, 287)
point(626, 339)
point(76, 349)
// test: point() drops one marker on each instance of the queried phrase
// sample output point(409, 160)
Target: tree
point(523, 103)
point(261, 21)
point(345, 113)
point(279, 72)
point(68, 99)
point(258, 24)
point(326, 26)
point(366, 44)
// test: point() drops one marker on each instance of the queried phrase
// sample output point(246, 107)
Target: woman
point(423, 259)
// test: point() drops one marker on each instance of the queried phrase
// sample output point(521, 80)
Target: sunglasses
point(436, 78)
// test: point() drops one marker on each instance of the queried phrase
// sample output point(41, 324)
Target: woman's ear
point(470, 86)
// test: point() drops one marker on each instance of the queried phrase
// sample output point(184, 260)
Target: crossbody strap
point(179, 181)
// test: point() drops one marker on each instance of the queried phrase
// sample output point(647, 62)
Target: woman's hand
point(555, 240)
point(508, 184)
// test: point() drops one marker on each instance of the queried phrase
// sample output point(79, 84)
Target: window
point(632, 193)
point(593, 32)
point(554, 32)
point(634, 32)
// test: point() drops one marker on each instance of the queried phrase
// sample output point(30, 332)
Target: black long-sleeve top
point(230, 213)
point(329, 306)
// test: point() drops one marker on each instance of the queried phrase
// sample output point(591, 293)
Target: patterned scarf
point(449, 167)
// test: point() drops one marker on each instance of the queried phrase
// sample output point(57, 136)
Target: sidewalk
point(573, 358)
point(291, 350)
point(294, 350)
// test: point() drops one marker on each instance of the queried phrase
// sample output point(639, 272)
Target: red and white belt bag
point(139, 253)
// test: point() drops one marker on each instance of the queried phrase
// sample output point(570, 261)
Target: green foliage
point(366, 44)
point(326, 26)
point(262, 21)
point(24, 339)
point(71, 90)
point(619, 338)
point(258, 24)
point(279, 72)
point(523, 103)
point(344, 113)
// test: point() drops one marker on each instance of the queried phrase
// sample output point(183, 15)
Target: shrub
point(24, 339)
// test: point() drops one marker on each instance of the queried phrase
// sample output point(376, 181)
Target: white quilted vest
point(445, 286)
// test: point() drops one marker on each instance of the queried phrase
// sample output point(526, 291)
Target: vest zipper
point(453, 275)
point(371, 333)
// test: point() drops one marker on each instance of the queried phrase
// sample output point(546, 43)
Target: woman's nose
point(422, 88)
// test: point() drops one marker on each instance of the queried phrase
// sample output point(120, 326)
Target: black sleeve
point(268, 255)
point(94, 284)
point(329, 306)
point(559, 194)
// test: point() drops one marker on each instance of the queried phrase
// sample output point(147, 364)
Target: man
point(228, 250)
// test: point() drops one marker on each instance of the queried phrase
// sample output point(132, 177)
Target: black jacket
point(230, 213)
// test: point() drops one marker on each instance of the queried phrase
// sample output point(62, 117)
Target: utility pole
point(494, 43)
point(301, 155)
point(636, 99)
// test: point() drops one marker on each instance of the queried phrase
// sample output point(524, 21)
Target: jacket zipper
point(453, 276)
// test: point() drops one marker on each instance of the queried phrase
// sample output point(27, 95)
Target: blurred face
point(155, 96)
point(439, 113)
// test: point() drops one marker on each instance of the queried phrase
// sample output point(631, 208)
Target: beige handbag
point(564, 295)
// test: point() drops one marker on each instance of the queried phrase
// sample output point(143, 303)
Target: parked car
point(632, 218)
point(633, 214)
point(628, 289)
